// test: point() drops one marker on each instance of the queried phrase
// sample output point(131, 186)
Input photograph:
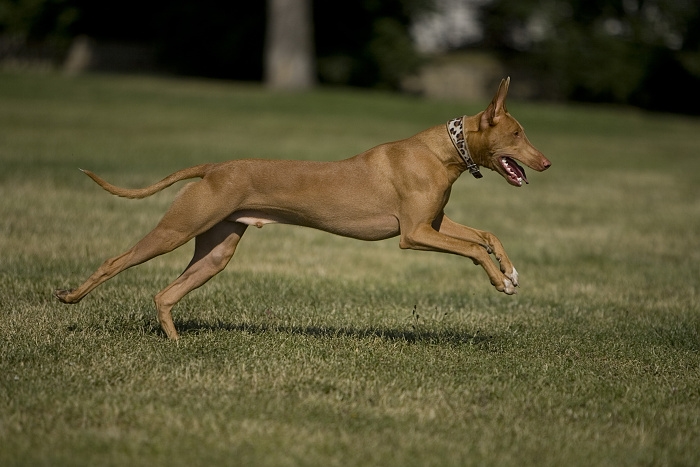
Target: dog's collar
point(455, 128)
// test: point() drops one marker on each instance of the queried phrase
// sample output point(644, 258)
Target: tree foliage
point(365, 42)
point(362, 43)
point(644, 52)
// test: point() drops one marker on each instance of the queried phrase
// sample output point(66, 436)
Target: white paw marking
point(514, 277)
point(509, 288)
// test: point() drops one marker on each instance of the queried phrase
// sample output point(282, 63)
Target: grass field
point(312, 349)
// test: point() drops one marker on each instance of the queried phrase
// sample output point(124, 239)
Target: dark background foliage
point(363, 43)
point(639, 52)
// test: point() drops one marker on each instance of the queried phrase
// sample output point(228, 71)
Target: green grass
point(312, 349)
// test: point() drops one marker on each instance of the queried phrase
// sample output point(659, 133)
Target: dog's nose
point(546, 164)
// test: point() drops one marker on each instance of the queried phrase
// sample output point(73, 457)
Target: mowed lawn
point(311, 349)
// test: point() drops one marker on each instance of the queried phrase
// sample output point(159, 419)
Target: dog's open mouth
point(515, 174)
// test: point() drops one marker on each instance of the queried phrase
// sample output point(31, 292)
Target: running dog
point(395, 189)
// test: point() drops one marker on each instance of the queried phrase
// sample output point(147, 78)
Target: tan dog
point(398, 188)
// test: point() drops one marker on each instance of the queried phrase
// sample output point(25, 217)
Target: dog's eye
point(516, 133)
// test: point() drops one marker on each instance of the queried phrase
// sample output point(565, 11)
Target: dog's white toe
point(514, 277)
point(509, 288)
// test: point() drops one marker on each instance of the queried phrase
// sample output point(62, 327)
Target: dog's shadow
point(416, 334)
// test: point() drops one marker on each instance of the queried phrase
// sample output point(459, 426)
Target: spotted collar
point(455, 128)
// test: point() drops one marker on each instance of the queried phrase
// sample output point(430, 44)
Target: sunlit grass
point(319, 350)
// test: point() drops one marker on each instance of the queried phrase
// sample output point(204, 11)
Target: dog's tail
point(198, 171)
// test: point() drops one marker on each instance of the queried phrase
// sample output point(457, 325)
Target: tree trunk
point(289, 47)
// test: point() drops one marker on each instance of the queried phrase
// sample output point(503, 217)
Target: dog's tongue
point(515, 172)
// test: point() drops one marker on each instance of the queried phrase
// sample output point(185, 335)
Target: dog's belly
point(370, 228)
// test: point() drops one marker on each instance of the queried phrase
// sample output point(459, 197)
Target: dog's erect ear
point(497, 107)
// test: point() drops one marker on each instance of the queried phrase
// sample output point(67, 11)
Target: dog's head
point(504, 143)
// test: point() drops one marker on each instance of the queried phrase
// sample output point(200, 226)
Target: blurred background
point(644, 53)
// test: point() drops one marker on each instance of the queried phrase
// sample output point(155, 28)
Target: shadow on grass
point(414, 335)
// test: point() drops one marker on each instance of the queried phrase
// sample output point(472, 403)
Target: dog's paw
point(62, 295)
point(509, 288)
point(513, 277)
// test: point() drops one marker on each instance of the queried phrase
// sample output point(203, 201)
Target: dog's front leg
point(425, 237)
point(486, 239)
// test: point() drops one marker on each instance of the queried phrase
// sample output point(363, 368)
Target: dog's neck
point(455, 128)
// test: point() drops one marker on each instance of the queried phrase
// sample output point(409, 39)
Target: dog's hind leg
point(192, 213)
point(156, 243)
point(212, 252)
